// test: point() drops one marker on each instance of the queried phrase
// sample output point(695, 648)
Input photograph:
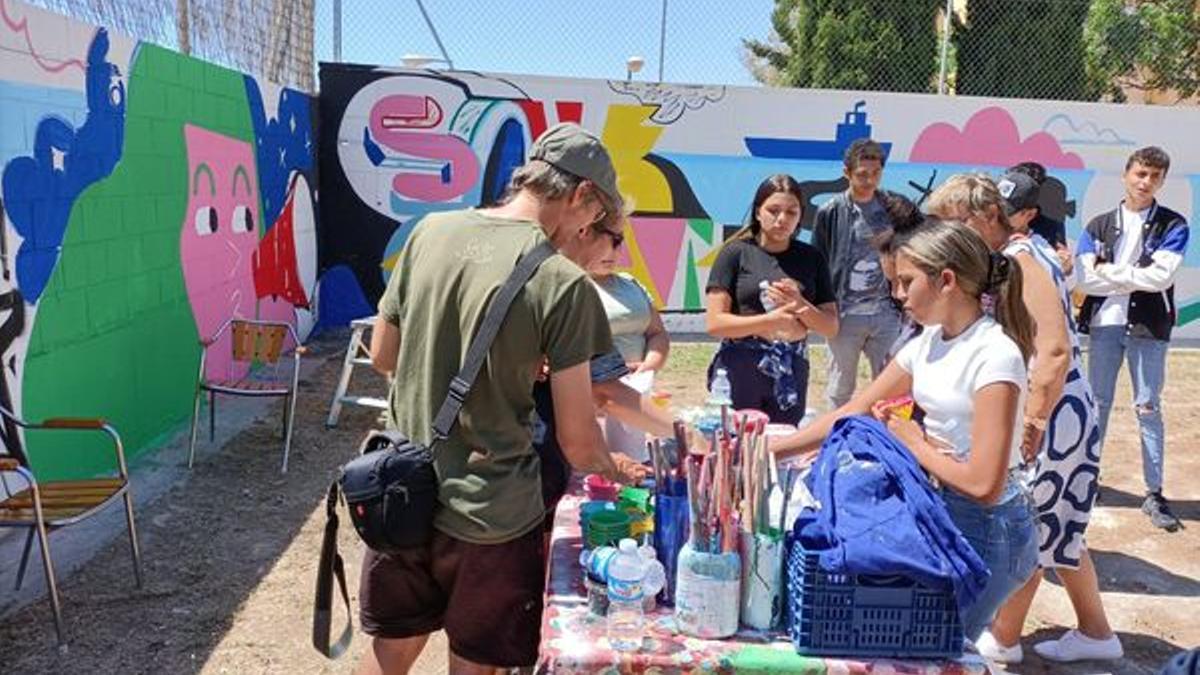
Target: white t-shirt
point(1115, 310)
point(947, 373)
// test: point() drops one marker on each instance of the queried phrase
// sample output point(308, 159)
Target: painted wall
point(396, 144)
point(147, 198)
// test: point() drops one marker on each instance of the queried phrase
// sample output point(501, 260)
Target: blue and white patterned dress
point(1067, 473)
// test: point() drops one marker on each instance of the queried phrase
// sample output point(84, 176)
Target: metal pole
point(337, 30)
point(436, 38)
point(662, 40)
point(945, 47)
point(182, 25)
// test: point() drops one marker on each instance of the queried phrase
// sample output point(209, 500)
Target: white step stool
point(358, 353)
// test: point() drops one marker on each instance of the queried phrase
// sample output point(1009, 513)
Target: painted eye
point(243, 219)
point(206, 221)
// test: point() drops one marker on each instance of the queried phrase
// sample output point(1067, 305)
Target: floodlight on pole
point(420, 60)
point(633, 64)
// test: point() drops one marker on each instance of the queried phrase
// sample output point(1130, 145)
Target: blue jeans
point(873, 335)
point(1147, 359)
point(1005, 537)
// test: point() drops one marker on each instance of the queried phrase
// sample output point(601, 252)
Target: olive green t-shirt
point(452, 265)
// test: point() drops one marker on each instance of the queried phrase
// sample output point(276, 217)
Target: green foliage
point(849, 44)
point(1027, 49)
point(1153, 45)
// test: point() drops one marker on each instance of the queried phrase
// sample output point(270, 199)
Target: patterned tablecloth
point(573, 639)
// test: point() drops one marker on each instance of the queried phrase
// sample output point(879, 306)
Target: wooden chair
point(254, 344)
point(45, 507)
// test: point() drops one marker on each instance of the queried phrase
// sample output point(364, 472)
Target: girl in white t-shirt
point(967, 372)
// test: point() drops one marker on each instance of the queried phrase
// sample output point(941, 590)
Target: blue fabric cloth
point(880, 515)
point(778, 361)
point(776, 364)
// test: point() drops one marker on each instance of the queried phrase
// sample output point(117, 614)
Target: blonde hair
point(950, 245)
point(972, 193)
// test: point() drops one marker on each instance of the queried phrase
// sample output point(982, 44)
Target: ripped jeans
point(1108, 346)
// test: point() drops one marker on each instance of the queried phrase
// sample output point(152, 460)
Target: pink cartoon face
point(219, 235)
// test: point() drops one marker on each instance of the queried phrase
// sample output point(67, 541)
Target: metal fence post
point(945, 47)
point(337, 30)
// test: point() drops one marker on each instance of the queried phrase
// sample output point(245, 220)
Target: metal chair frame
point(257, 328)
point(27, 508)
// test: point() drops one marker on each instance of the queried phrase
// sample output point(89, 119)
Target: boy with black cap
point(481, 578)
point(1053, 231)
point(1021, 193)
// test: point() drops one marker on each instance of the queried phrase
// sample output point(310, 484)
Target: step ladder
point(358, 353)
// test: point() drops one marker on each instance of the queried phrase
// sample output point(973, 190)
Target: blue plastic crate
point(864, 615)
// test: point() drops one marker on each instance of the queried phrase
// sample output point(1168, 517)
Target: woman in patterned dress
point(1060, 431)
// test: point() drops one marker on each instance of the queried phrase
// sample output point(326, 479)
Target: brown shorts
point(487, 597)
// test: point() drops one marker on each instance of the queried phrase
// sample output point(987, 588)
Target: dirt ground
point(230, 552)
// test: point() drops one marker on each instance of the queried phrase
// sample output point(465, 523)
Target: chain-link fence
point(268, 38)
point(1114, 50)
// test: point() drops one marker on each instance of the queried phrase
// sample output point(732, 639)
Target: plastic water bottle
point(763, 297)
point(625, 621)
point(721, 392)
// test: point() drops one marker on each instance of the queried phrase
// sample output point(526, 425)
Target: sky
point(570, 38)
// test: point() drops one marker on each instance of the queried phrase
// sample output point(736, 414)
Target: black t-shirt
point(742, 264)
point(1053, 231)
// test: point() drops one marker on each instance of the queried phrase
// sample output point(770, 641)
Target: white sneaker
point(990, 648)
point(1075, 646)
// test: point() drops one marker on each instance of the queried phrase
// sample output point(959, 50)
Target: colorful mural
point(148, 197)
point(397, 143)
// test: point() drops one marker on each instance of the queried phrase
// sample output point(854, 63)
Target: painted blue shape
point(725, 185)
point(374, 152)
point(283, 143)
point(1192, 257)
point(340, 299)
point(852, 127)
point(508, 153)
point(40, 189)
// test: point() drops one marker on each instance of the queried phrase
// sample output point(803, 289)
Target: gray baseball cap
point(571, 148)
point(1020, 192)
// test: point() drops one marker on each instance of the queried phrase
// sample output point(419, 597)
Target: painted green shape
point(770, 660)
point(126, 348)
point(1188, 313)
point(691, 293)
point(702, 227)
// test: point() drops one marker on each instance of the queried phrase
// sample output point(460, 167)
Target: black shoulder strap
point(329, 568)
point(461, 385)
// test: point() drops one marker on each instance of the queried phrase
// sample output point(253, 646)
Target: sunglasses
point(617, 238)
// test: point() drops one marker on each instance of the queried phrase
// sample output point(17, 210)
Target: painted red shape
point(276, 272)
point(569, 111)
point(535, 115)
point(435, 167)
point(990, 137)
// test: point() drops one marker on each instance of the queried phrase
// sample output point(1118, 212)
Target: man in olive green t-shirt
point(481, 578)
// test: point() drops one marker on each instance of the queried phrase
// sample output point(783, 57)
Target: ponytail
point(1005, 283)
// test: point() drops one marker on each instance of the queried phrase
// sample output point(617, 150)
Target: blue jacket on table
point(1149, 282)
point(880, 515)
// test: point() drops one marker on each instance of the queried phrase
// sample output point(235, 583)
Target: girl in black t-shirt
point(763, 351)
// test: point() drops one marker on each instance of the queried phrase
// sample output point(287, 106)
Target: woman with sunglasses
point(763, 345)
point(638, 334)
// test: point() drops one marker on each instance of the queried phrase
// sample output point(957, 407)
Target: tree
point(1148, 46)
point(849, 44)
point(1026, 49)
